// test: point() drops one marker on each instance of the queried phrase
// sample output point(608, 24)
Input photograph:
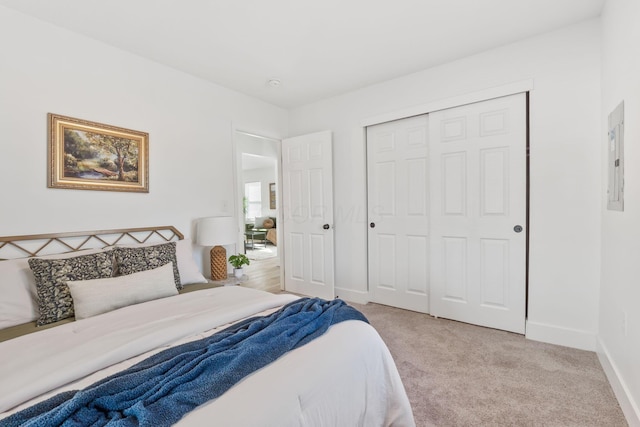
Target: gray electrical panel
point(615, 141)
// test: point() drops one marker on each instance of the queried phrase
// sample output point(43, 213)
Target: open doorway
point(260, 213)
point(257, 177)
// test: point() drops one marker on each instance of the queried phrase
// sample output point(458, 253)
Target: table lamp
point(217, 231)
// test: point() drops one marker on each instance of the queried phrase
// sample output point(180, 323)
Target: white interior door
point(478, 213)
point(398, 213)
point(307, 189)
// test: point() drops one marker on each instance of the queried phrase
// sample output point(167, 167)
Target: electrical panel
point(615, 141)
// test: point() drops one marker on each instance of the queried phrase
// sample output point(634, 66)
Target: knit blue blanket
point(161, 389)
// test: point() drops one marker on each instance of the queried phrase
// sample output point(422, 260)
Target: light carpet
point(457, 374)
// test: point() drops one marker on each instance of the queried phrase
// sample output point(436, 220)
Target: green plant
point(238, 260)
point(245, 206)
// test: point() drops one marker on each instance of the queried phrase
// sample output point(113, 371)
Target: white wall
point(620, 288)
point(189, 121)
point(565, 168)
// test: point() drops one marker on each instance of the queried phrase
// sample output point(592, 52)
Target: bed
point(344, 377)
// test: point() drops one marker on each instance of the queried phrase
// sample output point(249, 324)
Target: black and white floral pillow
point(54, 298)
point(134, 260)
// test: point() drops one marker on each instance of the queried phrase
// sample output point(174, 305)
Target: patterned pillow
point(54, 299)
point(134, 260)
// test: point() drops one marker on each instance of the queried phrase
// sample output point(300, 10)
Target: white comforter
point(346, 377)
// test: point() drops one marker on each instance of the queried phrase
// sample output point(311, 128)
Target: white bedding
point(345, 377)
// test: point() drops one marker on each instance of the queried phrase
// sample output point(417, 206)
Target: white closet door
point(398, 213)
point(307, 172)
point(478, 213)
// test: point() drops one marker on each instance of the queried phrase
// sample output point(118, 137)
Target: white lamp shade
point(217, 230)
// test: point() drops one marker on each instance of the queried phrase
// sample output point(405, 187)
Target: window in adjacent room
point(253, 200)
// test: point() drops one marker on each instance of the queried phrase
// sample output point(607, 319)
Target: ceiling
point(317, 49)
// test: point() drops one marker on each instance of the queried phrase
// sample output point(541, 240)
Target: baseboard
point(620, 389)
point(574, 338)
point(359, 297)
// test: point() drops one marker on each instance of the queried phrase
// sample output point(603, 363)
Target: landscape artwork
point(272, 195)
point(86, 155)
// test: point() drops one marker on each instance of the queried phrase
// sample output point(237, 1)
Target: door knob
point(372, 225)
point(326, 226)
point(517, 228)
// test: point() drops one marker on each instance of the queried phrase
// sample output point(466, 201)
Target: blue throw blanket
point(161, 389)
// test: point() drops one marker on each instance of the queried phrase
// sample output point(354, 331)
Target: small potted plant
point(238, 261)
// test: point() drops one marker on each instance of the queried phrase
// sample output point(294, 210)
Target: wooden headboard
point(46, 244)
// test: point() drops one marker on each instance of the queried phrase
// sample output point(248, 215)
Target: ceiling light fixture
point(274, 82)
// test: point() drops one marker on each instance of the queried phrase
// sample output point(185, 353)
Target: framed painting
point(272, 195)
point(86, 155)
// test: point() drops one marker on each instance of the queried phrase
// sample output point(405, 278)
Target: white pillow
point(97, 296)
point(259, 222)
point(18, 300)
point(189, 271)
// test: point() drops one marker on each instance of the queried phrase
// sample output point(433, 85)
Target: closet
point(447, 210)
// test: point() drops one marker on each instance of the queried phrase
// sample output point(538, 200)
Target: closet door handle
point(517, 228)
point(372, 225)
point(326, 226)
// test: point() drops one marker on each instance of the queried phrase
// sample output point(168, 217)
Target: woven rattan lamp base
point(218, 263)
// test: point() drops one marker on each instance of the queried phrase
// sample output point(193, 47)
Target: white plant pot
point(238, 272)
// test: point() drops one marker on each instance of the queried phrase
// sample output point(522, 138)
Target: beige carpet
point(463, 375)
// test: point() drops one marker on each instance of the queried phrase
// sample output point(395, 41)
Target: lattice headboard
point(46, 244)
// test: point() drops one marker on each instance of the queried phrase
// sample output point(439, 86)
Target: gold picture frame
point(86, 155)
point(272, 195)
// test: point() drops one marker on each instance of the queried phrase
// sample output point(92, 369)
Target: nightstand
point(231, 280)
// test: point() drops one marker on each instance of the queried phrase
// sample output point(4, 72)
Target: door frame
point(522, 86)
point(454, 101)
point(238, 192)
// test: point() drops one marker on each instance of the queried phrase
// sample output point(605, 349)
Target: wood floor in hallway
point(264, 274)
